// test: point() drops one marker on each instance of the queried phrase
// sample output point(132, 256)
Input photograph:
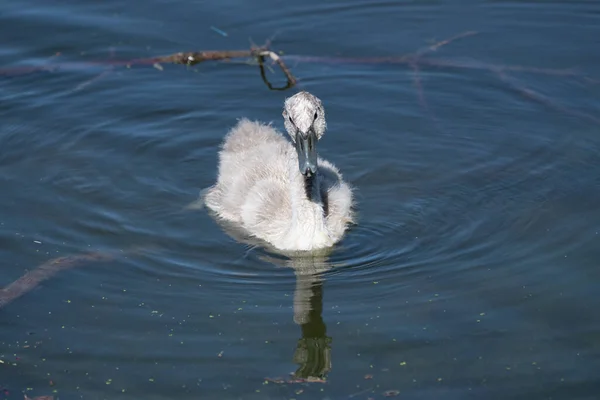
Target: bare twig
point(420, 92)
point(540, 98)
point(258, 53)
point(291, 81)
point(414, 64)
point(194, 57)
point(46, 271)
point(186, 58)
point(31, 279)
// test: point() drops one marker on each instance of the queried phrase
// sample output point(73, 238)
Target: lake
point(472, 272)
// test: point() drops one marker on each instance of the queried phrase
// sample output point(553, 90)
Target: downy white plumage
point(281, 191)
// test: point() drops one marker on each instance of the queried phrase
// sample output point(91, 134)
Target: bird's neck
point(308, 198)
point(312, 189)
point(312, 203)
point(308, 229)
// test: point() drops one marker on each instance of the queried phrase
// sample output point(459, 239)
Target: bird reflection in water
point(313, 350)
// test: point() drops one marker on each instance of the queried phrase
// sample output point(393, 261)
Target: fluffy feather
point(261, 189)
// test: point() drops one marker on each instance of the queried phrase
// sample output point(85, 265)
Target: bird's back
point(260, 188)
point(253, 156)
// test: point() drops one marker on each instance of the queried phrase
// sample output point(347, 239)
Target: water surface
point(472, 272)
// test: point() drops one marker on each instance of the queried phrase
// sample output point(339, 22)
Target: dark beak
point(306, 147)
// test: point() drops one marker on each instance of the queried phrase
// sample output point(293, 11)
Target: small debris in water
point(219, 31)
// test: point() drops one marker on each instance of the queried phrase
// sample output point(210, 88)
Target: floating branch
point(258, 53)
point(190, 58)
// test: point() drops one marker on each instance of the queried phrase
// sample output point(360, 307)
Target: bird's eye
point(291, 120)
point(316, 115)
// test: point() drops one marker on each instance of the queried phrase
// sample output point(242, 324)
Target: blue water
point(472, 271)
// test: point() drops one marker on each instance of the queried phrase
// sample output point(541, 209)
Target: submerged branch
point(31, 279)
point(47, 270)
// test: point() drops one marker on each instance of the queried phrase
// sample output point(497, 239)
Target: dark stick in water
point(189, 58)
point(31, 279)
point(47, 270)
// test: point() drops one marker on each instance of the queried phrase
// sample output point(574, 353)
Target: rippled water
point(472, 271)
